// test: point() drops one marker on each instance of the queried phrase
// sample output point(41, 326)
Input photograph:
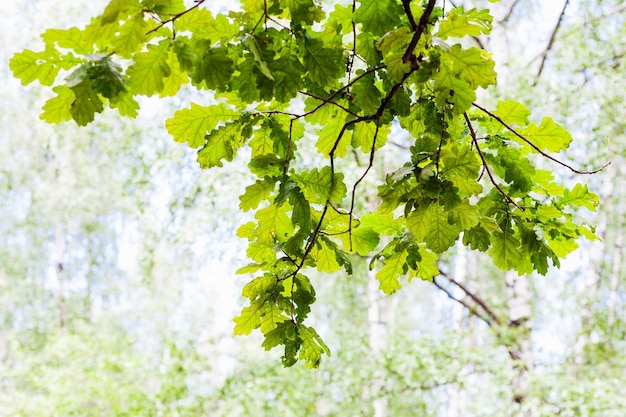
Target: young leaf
point(548, 135)
point(149, 70)
point(57, 109)
point(459, 23)
point(388, 276)
point(191, 125)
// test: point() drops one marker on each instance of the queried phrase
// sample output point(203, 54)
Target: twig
point(417, 34)
point(473, 296)
point(544, 56)
point(484, 161)
point(471, 309)
point(356, 184)
point(339, 91)
point(176, 16)
point(536, 148)
point(508, 15)
point(409, 14)
point(329, 101)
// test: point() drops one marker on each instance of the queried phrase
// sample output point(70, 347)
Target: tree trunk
point(457, 398)
point(60, 273)
point(89, 277)
point(377, 343)
point(618, 247)
point(593, 275)
point(520, 325)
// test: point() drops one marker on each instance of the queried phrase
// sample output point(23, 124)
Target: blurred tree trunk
point(520, 327)
point(377, 342)
point(617, 255)
point(457, 398)
point(59, 240)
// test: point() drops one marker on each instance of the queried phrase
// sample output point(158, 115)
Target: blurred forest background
point(118, 258)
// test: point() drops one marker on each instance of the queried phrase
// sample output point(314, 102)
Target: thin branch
point(176, 16)
point(341, 90)
point(484, 161)
point(473, 296)
point(417, 34)
point(544, 55)
point(441, 139)
point(351, 57)
point(311, 243)
point(536, 148)
point(329, 101)
point(611, 12)
point(356, 184)
point(508, 15)
point(409, 14)
point(470, 308)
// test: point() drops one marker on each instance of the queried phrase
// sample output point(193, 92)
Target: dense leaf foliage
point(283, 72)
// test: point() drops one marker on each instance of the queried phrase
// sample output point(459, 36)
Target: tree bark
point(617, 258)
point(520, 313)
point(377, 343)
point(60, 274)
point(457, 399)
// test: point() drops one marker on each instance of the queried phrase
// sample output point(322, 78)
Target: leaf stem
point(484, 161)
point(176, 16)
point(536, 148)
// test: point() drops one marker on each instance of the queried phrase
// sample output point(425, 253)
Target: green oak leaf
point(378, 16)
point(333, 137)
point(548, 135)
point(361, 240)
point(512, 112)
point(364, 134)
point(313, 347)
point(318, 187)
point(473, 65)
point(150, 68)
point(249, 318)
point(262, 142)
point(459, 23)
point(259, 286)
point(324, 64)
point(271, 316)
point(394, 268)
point(204, 26)
point(396, 67)
point(214, 67)
point(441, 234)
point(57, 109)
point(71, 38)
point(579, 196)
point(192, 125)
point(325, 257)
point(86, 103)
point(427, 267)
point(256, 193)
point(273, 225)
point(306, 11)
point(505, 250)
point(43, 66)
point(131, 36)
point(221, 143)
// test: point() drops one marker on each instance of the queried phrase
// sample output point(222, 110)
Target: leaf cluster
point(284, 71)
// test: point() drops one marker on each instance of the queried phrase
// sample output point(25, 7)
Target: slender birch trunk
point(377, 342)
point(60, 274)
point(520, 323)
point(456, 397)
point(618, 248)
